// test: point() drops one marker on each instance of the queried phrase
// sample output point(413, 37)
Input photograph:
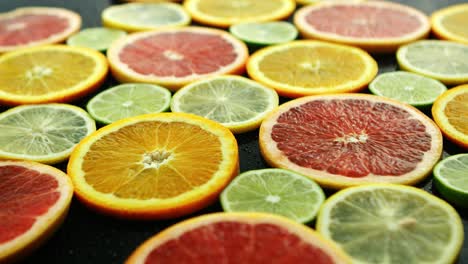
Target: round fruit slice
point(349, 139)
point(441, 60)
point(451, 179)
point(302, 68)
point(176, 57)
point(236, 102)
point(32, 26)
point(450, 112)
point(363, 24)
point(127, 100)
point(450, 23)
point(144, 16)
point(238, 238)
point(229, 12)
point(98, 38)
point(34, 202)
point(45, 133)
point(154, 166)
point(274, 191)
point(264, 33)
point(409, 88)
point(45, 74)
point(387, 223)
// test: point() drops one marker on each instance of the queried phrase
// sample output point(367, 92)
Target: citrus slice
point(45, 133)
point(238, 238)
point(144, 16)
point(302, 68)
point(264, 33)
point(450, 23)
point(229, 12)
point(176, 57)
point(306, 2)
point(34, 202)
point(98, 38)
point(451, 179)
point(45, 74)
point(376, 26)
point(275, 191)
point(32, 26)
point(450, 112)
point(387, 223)
point(154, 166)
point(127, 100)
point(407, 87)
point(441, 60)
point(343, 140)
point(236, 102)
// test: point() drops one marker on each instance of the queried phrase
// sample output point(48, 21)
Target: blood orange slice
point(34, 199)
point(175, 57)
point(349, 139)
point(376, 26)
point(32, 26)
point(238, 238)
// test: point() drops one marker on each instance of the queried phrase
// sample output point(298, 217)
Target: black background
point(87, 237)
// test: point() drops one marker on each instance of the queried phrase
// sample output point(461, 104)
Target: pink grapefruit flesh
point(374, 25)
point(238, 238)
point(352, 139)
point(25, 27)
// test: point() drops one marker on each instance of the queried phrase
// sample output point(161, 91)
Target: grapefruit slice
point(154, 166)
point(175, 57)
point(376, 26)
point(450, 23)
point(343, 140)
point(238, 238)
point(34, 200)
point(32, 26)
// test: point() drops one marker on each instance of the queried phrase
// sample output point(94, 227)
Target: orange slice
point(55, 73)
point(376, 26)
point(450, 112)
point(343, 140)
point(176, 57)
point(238, 238)
point(450, 23)
point(32, 26)
point(229, 12)
point(302, 68)
point(154, 166)
point(34, 200)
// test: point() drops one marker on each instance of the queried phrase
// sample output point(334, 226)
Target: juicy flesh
point(457, 112)
point(352, 138)
point(152, 160)
point(456, 23)
point(240, 9)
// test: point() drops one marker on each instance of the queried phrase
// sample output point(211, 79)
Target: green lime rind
point(265, 33)
point(406, 87)
point(127, 100)
point(98, 38)
point(275, 191)
point(451, 179)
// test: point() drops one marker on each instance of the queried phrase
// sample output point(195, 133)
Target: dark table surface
point(87, 237)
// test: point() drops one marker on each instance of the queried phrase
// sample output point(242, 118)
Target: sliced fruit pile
point(166, 149)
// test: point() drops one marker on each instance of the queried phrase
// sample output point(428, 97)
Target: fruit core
point(156, 158)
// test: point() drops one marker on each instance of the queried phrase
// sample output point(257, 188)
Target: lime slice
point(389, 223)
point(236, 102)
point(406, 87)
point(144, 16)
point(45, 133)
point(441, 60)
point(98, 38)
point(266, 33)
point(451, 179)
point(127, 100)
point(275, 191)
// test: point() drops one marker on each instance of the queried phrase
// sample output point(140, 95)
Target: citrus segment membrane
point(31, 26)
point(238, 238)
point(344, 140)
